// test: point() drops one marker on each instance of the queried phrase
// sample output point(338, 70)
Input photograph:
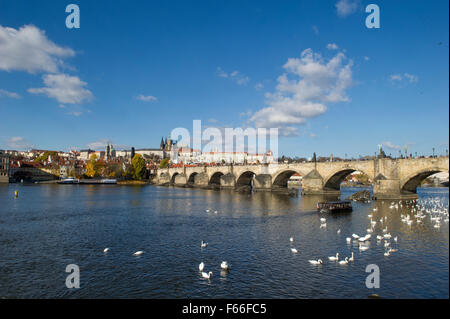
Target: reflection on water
point(50, 226)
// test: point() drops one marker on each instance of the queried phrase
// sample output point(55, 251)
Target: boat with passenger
point(338, 206)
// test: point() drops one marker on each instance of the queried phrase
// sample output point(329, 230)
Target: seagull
point(105, 250)
point(207, 275)
point(138, 253)
point(224, 265)
point(348, 240)
point(201, 266)
point(339, 231)
point(315, 262)
point(323, 220)
point(203, 244)
point(294, 250)
point(323, 225)
point(291, 239)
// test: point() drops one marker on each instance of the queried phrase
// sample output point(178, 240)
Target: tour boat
point(339, 206)
point(68, 181)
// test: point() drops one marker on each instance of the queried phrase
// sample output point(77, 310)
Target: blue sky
point(135, 70)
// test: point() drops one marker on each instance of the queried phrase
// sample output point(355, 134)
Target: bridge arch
point(410, 183)
point(215, 178)
point(245, 179)
point(281, 179)
point(172, 178)
point(334, 181)
point(191, 178)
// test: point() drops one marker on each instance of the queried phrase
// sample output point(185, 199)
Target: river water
point(51, 226)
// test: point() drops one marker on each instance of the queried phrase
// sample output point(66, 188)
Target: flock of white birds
point(224, 265)
point(434, 208)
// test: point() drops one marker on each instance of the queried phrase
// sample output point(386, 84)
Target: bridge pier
point(313, 184)
point(390, 189)
point(163, 179)
point(263, 182)
point(180, 180)
point(201, 180)
point(227, 181)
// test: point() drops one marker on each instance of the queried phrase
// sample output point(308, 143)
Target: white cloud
point(259, 86)
point(77, 114)
point(405, 76)
point(390, 145)
point(101, 144)
point(366, 58)
point(346, 7)
point(236, 76)
point(396, 77)
point(11, 95)
point(18, 143)
point(309, 83)
point(315, 29)
point(146, 98)
point(313, 135)
point(212, 121)
point(411, 78)
point(64, 88)
point(28, 49)
point(332, 46)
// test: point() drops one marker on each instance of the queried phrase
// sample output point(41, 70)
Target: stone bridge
point(392, 178)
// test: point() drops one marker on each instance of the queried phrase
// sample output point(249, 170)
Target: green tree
point(138, 167)
point(164, 163)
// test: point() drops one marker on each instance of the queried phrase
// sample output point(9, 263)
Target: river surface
point(51, 226)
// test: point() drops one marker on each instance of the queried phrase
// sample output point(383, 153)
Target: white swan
point(105, 250)
point(203, 244)
point(224, 265)
point(334, 258)
point(349, 240)
point(352, 259)
point(207, 275)
point(294, 250)
point(291, 239)
point(315, 262)
point(355, 236)
point(201, 266)
point(323, 220)
point(138, 253)
point(363, 248)
point(323, 225)
point(339, 231)
point(344, 262)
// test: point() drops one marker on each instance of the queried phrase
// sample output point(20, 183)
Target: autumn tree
point(138, 167)
point(93, 167)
